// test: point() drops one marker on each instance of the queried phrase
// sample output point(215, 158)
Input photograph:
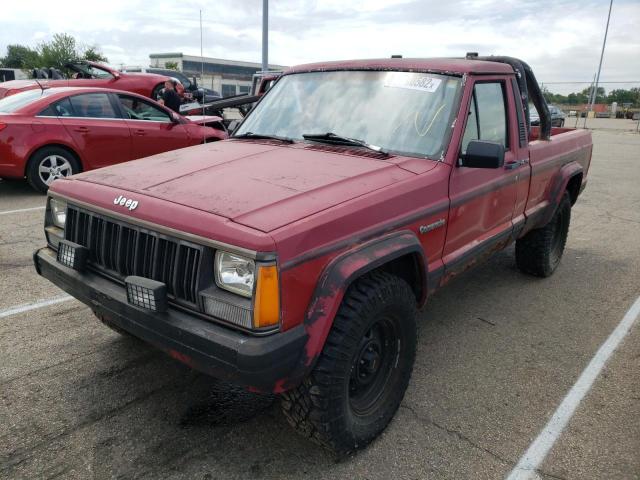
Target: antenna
point(204, 97)
point(39, 84)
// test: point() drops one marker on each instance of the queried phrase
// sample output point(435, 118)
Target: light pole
point(604, 42)
point(265, 35)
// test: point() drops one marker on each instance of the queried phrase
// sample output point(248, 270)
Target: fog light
point(72, 255)
point(146, 293)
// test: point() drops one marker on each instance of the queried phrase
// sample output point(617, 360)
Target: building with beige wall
point(229, 77)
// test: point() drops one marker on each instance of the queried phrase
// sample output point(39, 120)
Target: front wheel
point(363, 371)
point(49, 164)
point(539, 251)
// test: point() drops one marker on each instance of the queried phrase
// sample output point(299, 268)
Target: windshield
point(16, 102)
point(401, 112)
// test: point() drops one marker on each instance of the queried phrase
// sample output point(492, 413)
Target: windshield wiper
point(260, 136)
point(335, 139)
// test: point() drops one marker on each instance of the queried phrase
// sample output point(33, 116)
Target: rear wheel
point(364, 369)
point(539, 251)
point(49, 164)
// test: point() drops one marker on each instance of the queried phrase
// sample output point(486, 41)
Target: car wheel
point(49, 164)
point(363, 371)
point(539, 251)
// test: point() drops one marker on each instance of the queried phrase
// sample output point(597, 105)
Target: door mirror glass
point(483, 154)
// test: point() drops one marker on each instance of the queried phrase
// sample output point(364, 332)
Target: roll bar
point(529, 90)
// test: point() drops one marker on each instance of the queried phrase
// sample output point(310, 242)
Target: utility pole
point(604, 42)
point(265, 35)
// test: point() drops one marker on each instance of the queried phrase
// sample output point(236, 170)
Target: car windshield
point(15, 102)
point(401, 112)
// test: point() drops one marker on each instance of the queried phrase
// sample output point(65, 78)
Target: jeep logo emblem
point(126, 202)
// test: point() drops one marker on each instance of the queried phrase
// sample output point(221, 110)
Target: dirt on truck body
point(292, 258)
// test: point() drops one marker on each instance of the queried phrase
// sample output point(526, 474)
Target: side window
point(137, 109)
point(471, 130)
point(487, 115)
point(93, 105)
point(61, 108)
point(492, 115)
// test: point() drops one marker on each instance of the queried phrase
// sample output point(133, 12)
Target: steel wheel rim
point(53, 167)
point(372, 366)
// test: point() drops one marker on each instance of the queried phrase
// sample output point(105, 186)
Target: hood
point(260, 185)
point(203, 119)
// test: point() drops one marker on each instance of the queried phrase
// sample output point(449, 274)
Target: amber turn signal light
point(266, 309)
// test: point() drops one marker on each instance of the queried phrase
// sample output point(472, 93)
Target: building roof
point(218, 61)
point(444, 65)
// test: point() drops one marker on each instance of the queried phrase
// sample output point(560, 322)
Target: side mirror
point(175, 118)
point(116, 75)
point(483, 154)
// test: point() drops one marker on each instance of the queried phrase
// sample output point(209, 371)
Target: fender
point(557, 187)
point(333, 284)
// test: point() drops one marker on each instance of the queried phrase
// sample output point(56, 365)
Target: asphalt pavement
point(497, 353)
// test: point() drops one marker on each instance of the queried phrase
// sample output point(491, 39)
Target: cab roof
point(457, 66)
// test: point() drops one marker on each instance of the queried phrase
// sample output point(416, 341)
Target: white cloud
point(561, 40)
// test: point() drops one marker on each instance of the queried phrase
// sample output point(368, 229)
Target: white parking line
point(7, 212)
point(538, 450)
point(32, 306)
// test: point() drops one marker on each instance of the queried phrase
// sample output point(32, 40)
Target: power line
point(589, 83)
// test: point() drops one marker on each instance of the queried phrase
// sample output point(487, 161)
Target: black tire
point(539, 251)
point(50, 158)
point(363, 371)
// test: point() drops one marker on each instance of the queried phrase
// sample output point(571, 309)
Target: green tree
point(60, 50)
point(19, 56)
point(93, 54)
point(171, 65)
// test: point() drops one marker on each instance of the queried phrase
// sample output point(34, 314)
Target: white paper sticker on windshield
point(423, 83)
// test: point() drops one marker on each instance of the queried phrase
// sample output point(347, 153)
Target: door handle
point(516, 164)
point(141, 133)
point(81, 130)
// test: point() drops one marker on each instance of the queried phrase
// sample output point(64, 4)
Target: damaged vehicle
point(90, 74)
point(293, 257)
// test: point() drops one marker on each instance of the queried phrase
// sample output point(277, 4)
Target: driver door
point(152, 128)
point(482, 199)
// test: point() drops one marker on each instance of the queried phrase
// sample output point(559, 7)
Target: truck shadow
point(17, 189)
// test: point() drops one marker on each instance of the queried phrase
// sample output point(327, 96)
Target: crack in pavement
point(457, 434)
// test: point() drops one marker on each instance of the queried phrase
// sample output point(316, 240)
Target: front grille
point(119, 249)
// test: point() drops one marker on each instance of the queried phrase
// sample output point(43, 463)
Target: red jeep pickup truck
point(292, 258)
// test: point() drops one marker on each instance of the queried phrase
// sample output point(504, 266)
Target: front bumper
point(260, 363)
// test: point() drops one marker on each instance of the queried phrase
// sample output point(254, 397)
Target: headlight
point(58, 212)
point(235, 273)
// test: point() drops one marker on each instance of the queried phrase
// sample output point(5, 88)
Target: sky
point(560, 39)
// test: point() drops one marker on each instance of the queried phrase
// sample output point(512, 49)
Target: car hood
point(260, 185)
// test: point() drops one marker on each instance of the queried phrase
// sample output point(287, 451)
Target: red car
point(92, 74)
point(56, 132)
